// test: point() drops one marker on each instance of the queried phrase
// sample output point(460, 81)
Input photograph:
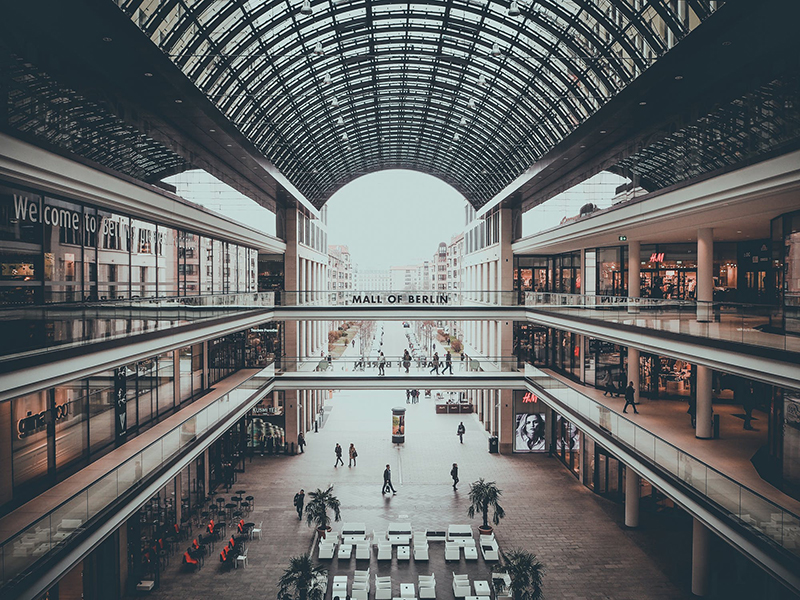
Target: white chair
point(242, 558)
point(359, 594)
point(452, 551)
point(461, 587)
point(470, 553)
point(378, 537)
point(384, 551)
point(489, 548)
point(383, 588)
point(360, 575)
point(362, 551)
point(421, 551)
point(427, 586)
point(326, 550)
point(256, 531)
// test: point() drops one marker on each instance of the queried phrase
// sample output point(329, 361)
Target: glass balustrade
point(395, 365)
point(41, 329)
point(753, 324)
point(19, 552)
point(766, 518)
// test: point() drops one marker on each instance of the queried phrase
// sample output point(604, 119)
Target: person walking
point(301, 442)
point(448, 363)
point(630, 398)
point(387, 481)
point(353, 455)
point(435, 363)
point(382, 364)
point(299, 501)
point(454, 475)
point(338, 451)
point(408, 396)
point(406, 359)
point(461, 431)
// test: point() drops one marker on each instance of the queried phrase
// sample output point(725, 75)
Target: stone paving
point(576, 534)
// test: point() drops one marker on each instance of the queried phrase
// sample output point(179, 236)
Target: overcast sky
point(394, 218)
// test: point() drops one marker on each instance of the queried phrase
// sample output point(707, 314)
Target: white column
point(493, 282)
point(632, 485)
point(705, 274)
point(206, 473)
point(701, 539)
point(704, 405)
point(633, 370)
point(634, 274)
point(492, 340)
point(178, 494)
point(302, 282)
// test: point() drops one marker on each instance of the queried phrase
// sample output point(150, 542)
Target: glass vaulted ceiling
point(473, 92)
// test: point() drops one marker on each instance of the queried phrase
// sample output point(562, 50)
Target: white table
point(399, 529)
point(345, 550)
point(407, 590)
point(458, 532)
point(354, 529)
point(354, 538)
point(403, 553)
point(476, 598)
point(339, 585)
point(482, 588)
point(470, 553)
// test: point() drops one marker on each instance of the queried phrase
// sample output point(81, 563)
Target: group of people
point(412, 396)
point(610, 389)
point(448, 363)
point(338, 452)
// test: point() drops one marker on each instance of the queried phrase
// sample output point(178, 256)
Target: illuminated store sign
point(30, 424)
point(530, 398)
point(657, 257)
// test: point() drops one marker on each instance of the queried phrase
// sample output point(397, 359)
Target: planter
point(485, 530)
point(322, 531)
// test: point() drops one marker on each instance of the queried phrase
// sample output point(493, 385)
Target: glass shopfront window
point(567, 443)
point(605, 365)
point(262, 345)
point(532, 274)
point(166, 377)
point(29, 445)
point(270, 273)
point(72, 424)
point(669, 271)
point(21, 260)
point(567, 273)
point(101, 410)
point(531, 343)
point(612, 273)
point(266, 425)
point(63, 256)
point(58, 250)
point(225, 356)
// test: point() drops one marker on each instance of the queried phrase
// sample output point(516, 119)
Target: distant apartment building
point(372, 280)
point(340, 268)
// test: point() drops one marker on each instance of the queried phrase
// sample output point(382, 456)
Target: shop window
point(71, 423)
point(101, 410)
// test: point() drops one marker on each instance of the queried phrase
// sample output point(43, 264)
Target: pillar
point(701, 538)
point(705, 274)
point(505, 420)
point(206, 473)
point(178, 497)
point(704, 406)
point(632, 486)
point(301, 282)
point(493, 295)
point(634, 274)
point(291, 404)
point(633, 370)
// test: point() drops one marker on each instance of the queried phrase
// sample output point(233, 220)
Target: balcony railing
point(404, 298)
point(37, 329)
point(752, 324)
point(21, 550)
point(395, 365)
point(764, 517)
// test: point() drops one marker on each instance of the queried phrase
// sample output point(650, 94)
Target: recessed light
point(739, 231)
point(212, 130)
point(727, 43)
point(678, 77)
point(178, 101)
point(229, 145)
point(602, 131)
point(107, 39)
point(148, 74)
point(583, 145)
point(566, 158)
point(642, 103)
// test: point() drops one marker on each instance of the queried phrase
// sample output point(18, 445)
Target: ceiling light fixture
point(148, 74)
point(340, 121)
point(496, 49)
point(327, 79)
point(178, 101)
point(463, 120)
point(306, 8)
point(107, 39)
point(513, 9)
point(456, 137)
point(481, 79)
point(678, 77)
point(335, 102)
point(471, 103)
point(318, 49)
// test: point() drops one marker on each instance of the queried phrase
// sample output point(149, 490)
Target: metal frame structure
point(473, 92)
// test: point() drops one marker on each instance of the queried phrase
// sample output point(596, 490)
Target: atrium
point(591, 389)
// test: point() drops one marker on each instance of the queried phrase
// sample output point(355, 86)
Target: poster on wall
point(121, 402)
point(530, 429)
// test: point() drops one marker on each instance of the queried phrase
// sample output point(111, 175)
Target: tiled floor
point(577, 535)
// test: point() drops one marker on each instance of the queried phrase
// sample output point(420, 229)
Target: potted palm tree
point(523, 576)
point(303, 580)
point(317, 510)
point(484, 495)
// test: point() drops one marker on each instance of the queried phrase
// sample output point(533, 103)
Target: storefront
point(58, 250)
point(530, 422)
point(786, 274)
point(605, 364)
point(531, 343)
point(567, 443)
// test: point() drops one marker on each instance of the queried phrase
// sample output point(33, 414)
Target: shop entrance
point(673, 284)
point(607, 475)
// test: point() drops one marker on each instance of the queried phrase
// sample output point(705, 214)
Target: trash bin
point(494, 444)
